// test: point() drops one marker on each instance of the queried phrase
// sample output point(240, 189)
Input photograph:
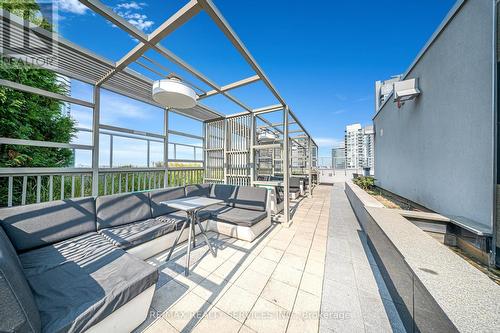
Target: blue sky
point(323, 56)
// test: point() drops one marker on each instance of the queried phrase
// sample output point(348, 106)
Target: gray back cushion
point(18, 310)
point(294, 182)
point(223, 192)
point(248, 197)
point(119, 209)
point(199, 190)
point(37, 225)
point(164, 194)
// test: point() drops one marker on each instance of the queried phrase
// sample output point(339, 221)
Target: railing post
point(95, 141)
point(111, 151)
point(204, 152)
point(286, 168)
point(309, 160)
point(251, 150)
point(224, 146)
point(165, 148)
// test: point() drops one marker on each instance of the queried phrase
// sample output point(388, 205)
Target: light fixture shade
point(173, 93)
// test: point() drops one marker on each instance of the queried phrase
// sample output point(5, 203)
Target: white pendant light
point(173, 93)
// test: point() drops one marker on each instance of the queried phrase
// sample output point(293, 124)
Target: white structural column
point(286, 168)
point(224, 159)
point(309, 163)
point(95, 140)
point(165, 148)
point(251, 155)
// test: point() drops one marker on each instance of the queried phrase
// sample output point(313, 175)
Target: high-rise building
point(368, 154)
point(359, 147)
point(353, 146)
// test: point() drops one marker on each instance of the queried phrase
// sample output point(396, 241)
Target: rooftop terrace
point(318, 274)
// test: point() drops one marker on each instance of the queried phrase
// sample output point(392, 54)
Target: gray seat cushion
point(133, 234)
point(158, 196)
point(208, 212)
point(120, 209)
point(80, 281)
point(199, 190)
point(38, 225)
point(240, 216)
point(248, 197)
point(18, 310)
point(223, 192)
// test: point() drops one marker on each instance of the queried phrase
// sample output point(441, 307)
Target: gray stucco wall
point(437, 149)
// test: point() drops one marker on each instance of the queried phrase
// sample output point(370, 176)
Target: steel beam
point(41, 92)
point(231, 86)
point(269, 108)
point(286, 168)
point(114, 18)
point(36, 143)
point(224, 26)
point(175, 21)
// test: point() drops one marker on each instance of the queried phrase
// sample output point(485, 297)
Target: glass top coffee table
point(191, 206)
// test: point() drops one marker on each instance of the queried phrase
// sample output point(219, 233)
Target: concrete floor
point(278, 283)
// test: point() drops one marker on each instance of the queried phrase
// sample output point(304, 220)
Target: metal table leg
point(191, 232)
point(176, 240)
point(202, 231)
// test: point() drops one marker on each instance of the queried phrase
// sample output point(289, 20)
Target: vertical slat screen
point(238, 150)
point(215, 136)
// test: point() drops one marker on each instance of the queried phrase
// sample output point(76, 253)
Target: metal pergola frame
point(81, 64)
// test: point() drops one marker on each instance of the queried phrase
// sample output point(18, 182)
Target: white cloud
point(72, 6)
point(131, 12)
point(339, 111)
point(329, 142)
point(130, 5)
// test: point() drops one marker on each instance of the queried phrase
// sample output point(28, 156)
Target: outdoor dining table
point(191, 206)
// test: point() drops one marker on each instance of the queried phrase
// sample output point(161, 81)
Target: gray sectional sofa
point(75, 265)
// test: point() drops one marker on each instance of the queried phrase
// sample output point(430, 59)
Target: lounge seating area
point(77, 265)
point(84, 238)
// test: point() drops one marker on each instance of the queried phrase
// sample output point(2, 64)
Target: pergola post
point(165, 148)
point(224, 158)
point(309, 163)
point(95, 140)
point(286, 168)
point(204, 152)
point(252, 151)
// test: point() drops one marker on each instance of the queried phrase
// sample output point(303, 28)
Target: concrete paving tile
point(280, 293)
point(287, 274)
point(271, 253)
point(212, 288)
point(237, 302)
point(294, 261)
point(267, 317)
point(186, 313)
point(263, 266)
point(166, 296)
point(311, 283)
point(298, 250)
point(246, 329)
point(218, 320)
point(315, 267)
point(252, 281)
point(160, 326)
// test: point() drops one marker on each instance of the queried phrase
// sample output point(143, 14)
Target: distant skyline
point(324, 58)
